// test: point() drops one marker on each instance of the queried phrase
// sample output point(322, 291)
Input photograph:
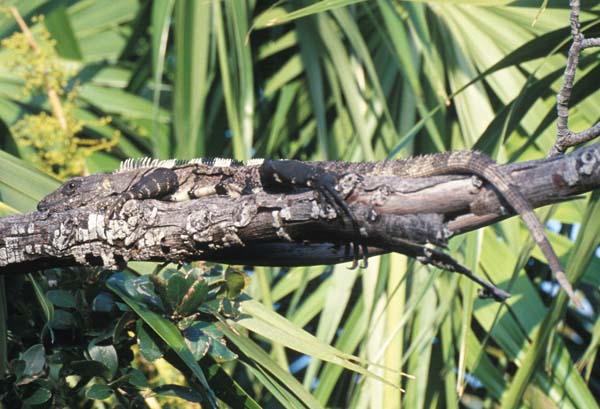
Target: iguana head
point(78, 192)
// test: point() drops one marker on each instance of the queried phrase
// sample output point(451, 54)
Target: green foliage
point(89, 354)
point(55, 147)
point(340, 79)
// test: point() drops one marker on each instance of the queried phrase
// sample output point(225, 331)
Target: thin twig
point(566, 138)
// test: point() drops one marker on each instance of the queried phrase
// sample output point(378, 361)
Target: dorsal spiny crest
point(141, 163)
point(169, 163)
point(255, 162)
point(223, 162)
point(203, 161)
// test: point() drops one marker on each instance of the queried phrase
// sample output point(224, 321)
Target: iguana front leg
point(157, 184)
point(289, 173)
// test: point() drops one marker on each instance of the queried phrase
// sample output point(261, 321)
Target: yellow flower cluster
point(50, 141)
point(57, 150)
point(41, 69)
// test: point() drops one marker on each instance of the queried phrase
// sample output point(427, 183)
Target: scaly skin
point(174, 182)
point(196, 178)
point(482, 166)
point(461, 162)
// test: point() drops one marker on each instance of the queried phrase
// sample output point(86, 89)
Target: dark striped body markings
point(157, 184)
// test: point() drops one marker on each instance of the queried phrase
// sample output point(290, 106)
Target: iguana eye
point(72, 185)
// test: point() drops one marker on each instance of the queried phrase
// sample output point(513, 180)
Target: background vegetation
point(336, 79)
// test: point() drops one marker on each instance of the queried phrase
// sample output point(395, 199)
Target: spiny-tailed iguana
point(179, 180)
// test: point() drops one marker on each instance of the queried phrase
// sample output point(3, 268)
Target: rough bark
point(286, 228)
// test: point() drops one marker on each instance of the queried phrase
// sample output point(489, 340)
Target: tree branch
point(286, 229)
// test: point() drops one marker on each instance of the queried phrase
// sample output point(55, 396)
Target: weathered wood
point(286, 228)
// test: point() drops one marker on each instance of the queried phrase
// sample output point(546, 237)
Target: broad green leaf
point(98, 392)
point(35, 360)
point(178, 391)
point(137, 378)
point(107, 354)
point(258, 319)
point(204, 338)
point(338, 295)
point(278, 381)
point(59, 25)
point(38, 397)
point(88, 368)
point(177, 287)
point(193, 28)
point(63, 320)
point(142, 290)
point(165, 330)
point(236, 282)
point(15, 193)
point(161, 19)
point(195, 296)
point(103, 302)
point(356, 327)
point(61, 298)
point(148, 347)
point(90, 17)
point(276, 15)
point(115, 101)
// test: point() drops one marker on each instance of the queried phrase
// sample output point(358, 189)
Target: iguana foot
point(356, 255)
point(444, 261)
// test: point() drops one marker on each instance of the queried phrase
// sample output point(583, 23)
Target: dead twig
point(566, 138)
